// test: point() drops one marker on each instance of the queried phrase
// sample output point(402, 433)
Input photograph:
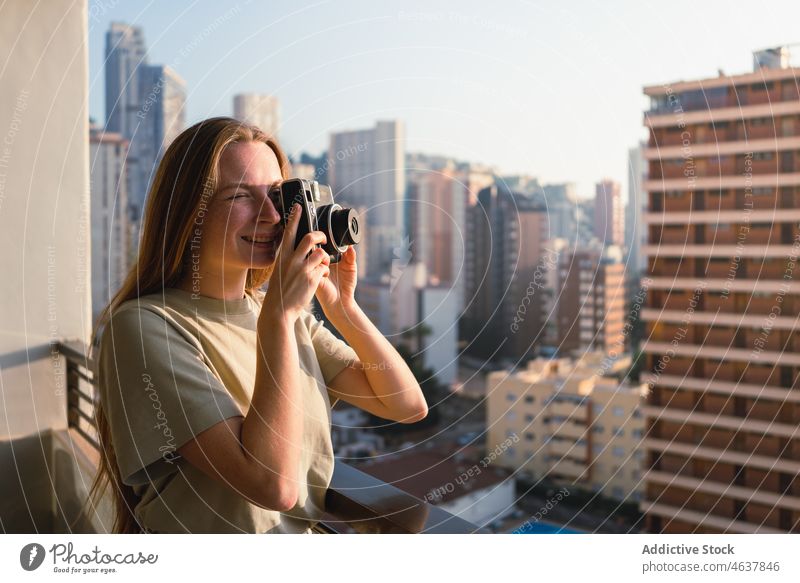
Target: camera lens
point(341, 225)
point(344, 224)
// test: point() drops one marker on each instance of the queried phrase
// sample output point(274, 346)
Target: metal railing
point(355, 501)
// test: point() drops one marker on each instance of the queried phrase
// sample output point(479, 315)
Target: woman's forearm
point(388, 374)
point(273, 427)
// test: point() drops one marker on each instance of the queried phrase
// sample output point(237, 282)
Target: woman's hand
point(295, 277)
point(336, 293)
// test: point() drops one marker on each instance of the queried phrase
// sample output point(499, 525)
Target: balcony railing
point(355, 501)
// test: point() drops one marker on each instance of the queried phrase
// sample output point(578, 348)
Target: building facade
point(260, 110)
point(608, 213)
point(505, 258)
point(572, 421)
point(111, 230)
point(722, 333)
point(366, 169)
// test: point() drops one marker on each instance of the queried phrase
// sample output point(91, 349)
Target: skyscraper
point(125, 53)
point(590, 302)
point(366, 168)
point(635, 231)
point(145, 104)
point(722, 330)
point(258, 109)
point(561, 202)
point(505, 260)
point(111, 232)
point(608, 217)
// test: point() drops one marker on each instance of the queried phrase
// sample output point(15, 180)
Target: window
point(511, 397)
point(619, 432)
point(511, 415)
point(530, 436)
point(529, 399)
point(598, 429)
point(619, 452)
point(529, 418)
point(618, 411)
point(637, 433)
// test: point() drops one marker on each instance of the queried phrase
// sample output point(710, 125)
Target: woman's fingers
point(308, 243)
point(290, 232)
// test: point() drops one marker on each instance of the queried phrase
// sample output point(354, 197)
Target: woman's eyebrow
point(248, 186)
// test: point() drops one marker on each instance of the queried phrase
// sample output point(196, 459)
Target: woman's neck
point(224, 287)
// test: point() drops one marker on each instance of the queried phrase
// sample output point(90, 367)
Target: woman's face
point(242, 227)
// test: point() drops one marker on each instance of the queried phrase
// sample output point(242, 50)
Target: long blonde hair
point(187, 173)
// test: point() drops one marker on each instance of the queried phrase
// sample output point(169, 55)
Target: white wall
point(44, 204)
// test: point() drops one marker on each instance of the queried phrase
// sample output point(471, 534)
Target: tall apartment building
point(145, 104)
point(588, 302)
point(111, 229)
point(507, 233)
point(723, 349)
point(608, 213)
point(635, 230)
point(561, 201)
point(366, 168)
point(258, 109)
point(572, 421)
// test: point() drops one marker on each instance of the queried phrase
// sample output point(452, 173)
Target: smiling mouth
point(260, 241)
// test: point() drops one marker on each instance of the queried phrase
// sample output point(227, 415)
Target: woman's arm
point(380, 381)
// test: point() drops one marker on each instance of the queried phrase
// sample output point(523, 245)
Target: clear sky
point(552, 89)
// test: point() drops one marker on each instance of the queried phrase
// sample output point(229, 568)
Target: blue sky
point(552, 89)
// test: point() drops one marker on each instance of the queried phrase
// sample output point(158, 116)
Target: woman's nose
point(268, 212)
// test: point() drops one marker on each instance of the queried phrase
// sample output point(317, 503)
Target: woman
point(215, 396)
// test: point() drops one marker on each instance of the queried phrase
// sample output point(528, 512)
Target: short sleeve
point(333, 354)
point(157, 392)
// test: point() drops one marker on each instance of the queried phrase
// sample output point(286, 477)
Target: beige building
point(575, 422)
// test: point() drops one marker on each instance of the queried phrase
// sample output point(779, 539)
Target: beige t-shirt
point(170, 366)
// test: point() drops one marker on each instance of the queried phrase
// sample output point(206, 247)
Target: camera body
point(319, 212)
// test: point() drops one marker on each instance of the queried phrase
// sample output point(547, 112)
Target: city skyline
point(448, 109)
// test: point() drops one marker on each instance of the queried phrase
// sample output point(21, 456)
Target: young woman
point(215, 396)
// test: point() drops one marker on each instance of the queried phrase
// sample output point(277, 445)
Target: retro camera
point(319, 212)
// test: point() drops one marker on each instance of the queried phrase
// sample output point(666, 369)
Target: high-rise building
point(125, 53)
point(258, 109)
point(589, 302)
point(111, 229)
point(561, 202)
point(722, 332)
point(504, 257)
point(366, 168)
point(162, 118)
point(572, 421)
point(438, 206)
point(635, 231)
point(145, 104)
point(608, 213)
